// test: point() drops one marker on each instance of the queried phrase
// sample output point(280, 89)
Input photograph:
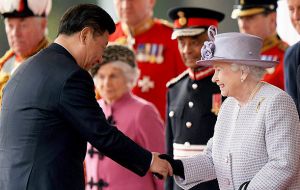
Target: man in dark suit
point(49, 112)
point(292, 57)
point(193, 100)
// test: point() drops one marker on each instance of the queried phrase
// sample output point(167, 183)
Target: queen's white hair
point(256, 72)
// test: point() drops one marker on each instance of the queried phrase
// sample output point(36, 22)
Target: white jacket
point(259, 142)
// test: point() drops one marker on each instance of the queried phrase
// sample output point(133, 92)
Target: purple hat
point(233, 47)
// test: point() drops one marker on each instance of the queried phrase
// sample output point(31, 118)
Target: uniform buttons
point(194, 86)
point(171, 113)
point(188, 124)
point(191, 104)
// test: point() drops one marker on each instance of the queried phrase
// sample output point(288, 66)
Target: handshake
point(164, 165)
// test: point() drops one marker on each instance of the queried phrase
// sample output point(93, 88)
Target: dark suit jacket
point(291, 63)
point(49, 113)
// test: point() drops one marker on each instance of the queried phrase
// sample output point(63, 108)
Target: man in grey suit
point(49, 112)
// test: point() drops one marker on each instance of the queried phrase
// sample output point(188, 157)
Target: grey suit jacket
point(49, 112)
point(258, 142)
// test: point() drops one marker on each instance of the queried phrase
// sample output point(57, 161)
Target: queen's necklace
point(255, 89)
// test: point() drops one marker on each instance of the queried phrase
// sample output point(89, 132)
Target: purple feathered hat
point(233, 47)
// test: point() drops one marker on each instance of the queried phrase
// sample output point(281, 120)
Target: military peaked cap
point(190, 21)
point(252, 7)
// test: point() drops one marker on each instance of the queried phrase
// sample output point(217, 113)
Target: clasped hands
point(164, 165)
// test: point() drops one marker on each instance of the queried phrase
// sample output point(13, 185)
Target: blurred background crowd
point(160, 11)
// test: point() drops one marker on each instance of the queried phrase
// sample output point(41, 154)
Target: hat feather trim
point(40, 7)
point(9, 6)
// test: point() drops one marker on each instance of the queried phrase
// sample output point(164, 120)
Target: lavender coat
point(259, 142)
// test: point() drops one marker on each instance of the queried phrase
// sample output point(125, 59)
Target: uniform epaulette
point(283, 46)
point(5, 57)
point(165, 22)
point(274, 41)
point(176, 79)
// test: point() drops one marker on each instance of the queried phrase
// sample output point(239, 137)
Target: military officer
point(25, 25)
point(193, 100)
point(157, 55)
point(258, 17)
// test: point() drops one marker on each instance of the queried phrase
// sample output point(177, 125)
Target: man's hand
point(159, 167)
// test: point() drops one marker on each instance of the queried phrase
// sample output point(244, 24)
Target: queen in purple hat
point(256, 143)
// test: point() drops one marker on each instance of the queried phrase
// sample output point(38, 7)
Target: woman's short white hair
point(254, 71)
point(131, 73)
point(123, 58)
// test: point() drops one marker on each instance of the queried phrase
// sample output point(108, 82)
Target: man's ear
point(44, 22)
point(273, 16)
point(84, 34)
point(152, 3)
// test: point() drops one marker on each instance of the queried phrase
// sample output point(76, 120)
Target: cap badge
point(182, 20)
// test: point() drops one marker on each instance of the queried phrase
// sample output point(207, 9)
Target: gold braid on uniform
point(273, 41)
point(4, 77)
point(43, 44)
point(6, 57)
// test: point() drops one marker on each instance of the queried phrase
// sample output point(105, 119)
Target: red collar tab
point(199, 74)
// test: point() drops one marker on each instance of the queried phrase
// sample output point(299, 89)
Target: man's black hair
point(86, 15)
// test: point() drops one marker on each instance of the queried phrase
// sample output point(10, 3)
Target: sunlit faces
point(294, 10)
point(260, 25)
point(190, 48)
point(227, 78)
point(111, 82)
point(133, 12)
point(94, 45)
point(24, 34)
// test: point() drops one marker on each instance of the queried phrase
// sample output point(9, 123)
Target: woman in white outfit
point(256, 144)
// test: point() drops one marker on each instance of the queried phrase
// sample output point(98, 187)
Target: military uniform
point(190, 122)
point(21, 9)
point(9, 63)
point(157, 58)
point(274, 49)
point(193, 101)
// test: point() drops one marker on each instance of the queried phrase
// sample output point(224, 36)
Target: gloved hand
point(177, 165)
